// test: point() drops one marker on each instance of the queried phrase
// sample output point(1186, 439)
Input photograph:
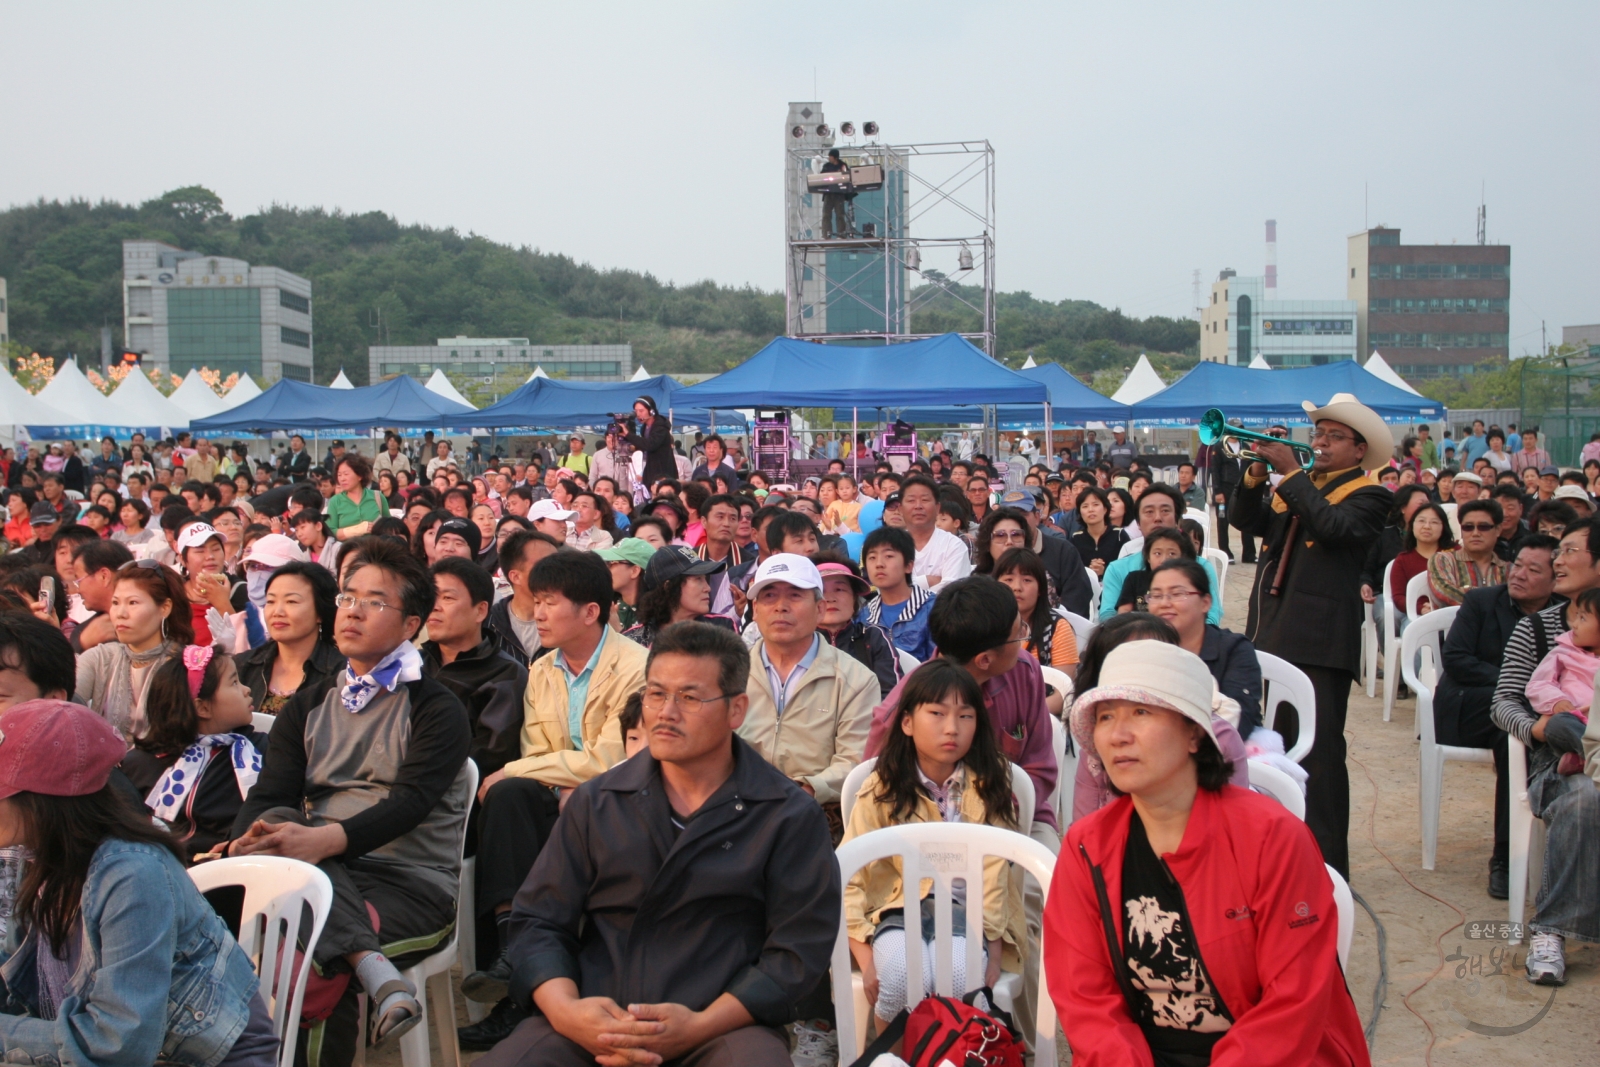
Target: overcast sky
point(1134, 142)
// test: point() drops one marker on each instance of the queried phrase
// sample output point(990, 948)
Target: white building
point(1240, 323)
point(489, 358)
point(186, 309)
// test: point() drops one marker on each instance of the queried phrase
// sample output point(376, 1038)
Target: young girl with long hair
point(943, 764)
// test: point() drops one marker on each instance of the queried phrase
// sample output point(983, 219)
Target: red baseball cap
point(56, 748)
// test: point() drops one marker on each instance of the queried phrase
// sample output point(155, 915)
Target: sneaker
point(1547, 960)
point(491, 986)
point(816, 1044)
point(1499, 879)
point(493, 1029)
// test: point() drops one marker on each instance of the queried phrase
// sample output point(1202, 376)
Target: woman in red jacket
point(1190, 921)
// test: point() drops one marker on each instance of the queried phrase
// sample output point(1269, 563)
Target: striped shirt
point(1510, 709)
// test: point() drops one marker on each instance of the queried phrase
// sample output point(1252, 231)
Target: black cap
point(43, 513)
point(675, 561)
point(467, 531)
point(892, 500)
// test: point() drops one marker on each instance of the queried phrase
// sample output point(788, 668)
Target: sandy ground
point(1436, 1009)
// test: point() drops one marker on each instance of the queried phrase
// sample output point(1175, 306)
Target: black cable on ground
point(1380, 988)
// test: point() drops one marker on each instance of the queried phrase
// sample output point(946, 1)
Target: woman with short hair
point(356, 506)
point(1189, 921)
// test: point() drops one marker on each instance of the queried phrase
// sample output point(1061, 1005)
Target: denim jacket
point(159, 979)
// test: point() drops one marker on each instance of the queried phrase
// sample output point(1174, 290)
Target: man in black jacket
point(511, 619)
point(1306, 605)
point(1473, 651)
point(688, 898)
point(295, 464)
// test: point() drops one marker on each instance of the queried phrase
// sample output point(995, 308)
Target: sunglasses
point(1477, 527)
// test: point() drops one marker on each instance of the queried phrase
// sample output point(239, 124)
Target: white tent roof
point(640, 375)
point(341, 382)
point(538, 372)
point(196, 398)
point(1030, 364)
point(244, 389)
point(70, 391)
point(1379, 367)
point(18, 407)
point(1259, 364)
point(441, 385)
point(1142, 382)
point(139, 403)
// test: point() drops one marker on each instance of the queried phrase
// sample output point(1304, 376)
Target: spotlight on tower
point(914, 258)
point(964, 260)
point(847, 128)
point(824, 130)
point(870, 129)
point(798, 132)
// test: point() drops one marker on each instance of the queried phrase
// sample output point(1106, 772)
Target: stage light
point(914, 258)
point(798, 132)
point(870, 129)
point(824, 131)
point(965, 258)
point(848, 129)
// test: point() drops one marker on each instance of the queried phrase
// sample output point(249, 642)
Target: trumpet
point(1214, 430)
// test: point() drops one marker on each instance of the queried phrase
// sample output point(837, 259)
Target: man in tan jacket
point(571, 732)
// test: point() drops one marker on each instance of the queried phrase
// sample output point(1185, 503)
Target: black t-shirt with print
point(1176, 1003)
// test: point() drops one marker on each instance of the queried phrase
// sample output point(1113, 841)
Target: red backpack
point(941, 1028)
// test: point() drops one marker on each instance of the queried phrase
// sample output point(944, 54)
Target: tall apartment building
point(1432, 310)
point(1242, 322)
point(186, 309)
point(494, 358)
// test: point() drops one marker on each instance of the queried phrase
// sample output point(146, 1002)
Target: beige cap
point(1153, 673)
point(1345, 408)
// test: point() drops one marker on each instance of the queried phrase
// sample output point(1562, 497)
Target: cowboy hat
point(1345, 408)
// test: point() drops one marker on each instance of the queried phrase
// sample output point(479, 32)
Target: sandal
point(402, 1015)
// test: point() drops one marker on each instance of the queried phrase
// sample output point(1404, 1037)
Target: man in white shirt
point(941, 556)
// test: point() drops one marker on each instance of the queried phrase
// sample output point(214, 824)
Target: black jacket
point(1065, 567)
point(1385, 547)
point(295, 466)
point(1316, 619)
point(1231, 659)
point(744, 900)
point(873, 648)
point(660, 461)
point(208, 817)
point(255, 670)
point(1472, 653)
point(500, 626)
point(490, 683)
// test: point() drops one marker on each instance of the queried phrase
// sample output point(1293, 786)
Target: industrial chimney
point(1272, 258)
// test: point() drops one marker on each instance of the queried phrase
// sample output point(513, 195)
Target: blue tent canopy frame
point(1072, 403)
point(559, 404)
point(1259, 396)
point(293, 406)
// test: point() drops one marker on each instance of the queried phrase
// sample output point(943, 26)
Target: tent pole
point(855, 444)
point(1049, 452)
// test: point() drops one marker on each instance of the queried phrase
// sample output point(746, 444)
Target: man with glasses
point(571, 732)
point(1452, 571)
point(1306, 606)
point(367, 780)
point(689, 898)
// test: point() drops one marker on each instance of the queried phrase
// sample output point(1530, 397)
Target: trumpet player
point(1306, 605)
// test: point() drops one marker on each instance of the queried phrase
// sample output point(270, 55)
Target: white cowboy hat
point(1345, 408)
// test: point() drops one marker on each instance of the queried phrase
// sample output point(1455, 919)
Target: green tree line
point(379, 282)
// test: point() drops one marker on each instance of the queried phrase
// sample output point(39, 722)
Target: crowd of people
point(638, 688)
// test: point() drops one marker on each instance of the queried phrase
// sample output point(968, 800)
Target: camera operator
point(651, 433)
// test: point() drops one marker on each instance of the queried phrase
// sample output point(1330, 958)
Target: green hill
point(378, 282)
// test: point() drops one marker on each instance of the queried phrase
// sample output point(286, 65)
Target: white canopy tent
point(245, 389)
point(640, 375)
point(1030, 364)
point(441, 385)
point(69, 391)
point(18, 407)
point(1142, 382)
point(341, 382)
point(1259, 364)
point(140, 403)
point(1379, 367)
point(196, 398)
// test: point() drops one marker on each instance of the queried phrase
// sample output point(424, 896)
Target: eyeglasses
point(1477, 527)
point(1569, 550)
point(655, 700)
point(1008, 535)
point(1323, 435)
point(354, 603)
point(1175, 596)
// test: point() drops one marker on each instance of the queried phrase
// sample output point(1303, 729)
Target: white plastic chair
point(1284, 683)
point(1416, 588)
point(1057, 679)
point(1058, 745)
point(276, 892)
point(261, 722)
point(1094, 599)
point(1369, 648)
point(908, 662)
point(431, 976)
point(1391, 646)
point(1204, 519)
point(943, 853)
point(1420, 666)
point(1265, 778)
point(1219, 563)
point(1082, 629)
point(1526, 872)
point(1021, 787)
point(1131, 548)
point(1345, 904)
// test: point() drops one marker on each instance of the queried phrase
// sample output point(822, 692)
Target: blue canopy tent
point(294, 406)
point(1258, 396)
point(557, 404)
point(1071, 404)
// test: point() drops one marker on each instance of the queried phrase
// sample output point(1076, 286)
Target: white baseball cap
point(548, 509)
point(196, 534)
point(796, 570)
point(274, 550)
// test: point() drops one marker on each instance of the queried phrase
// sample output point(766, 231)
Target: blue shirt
point(578, 689)
point(1471, 447)
point(1118, 571)
point(782, 688)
